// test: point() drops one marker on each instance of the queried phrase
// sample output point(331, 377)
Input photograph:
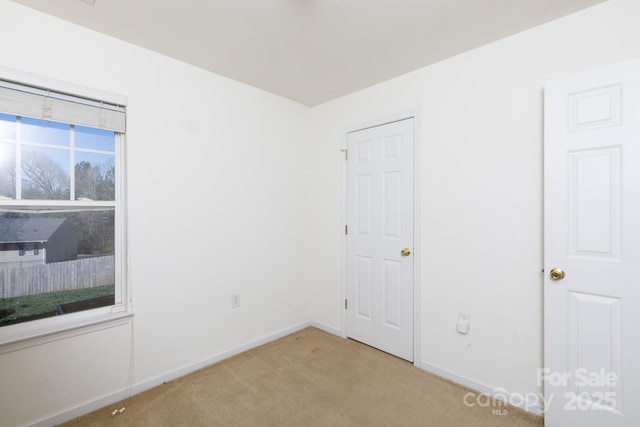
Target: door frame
point(414, 114)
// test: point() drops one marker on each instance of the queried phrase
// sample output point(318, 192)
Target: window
point(62, 251)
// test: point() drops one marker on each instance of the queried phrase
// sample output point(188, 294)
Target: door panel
point(592, 212)
point(380, 218)
point(392, 294)
point(364, 284)
point(594, 186)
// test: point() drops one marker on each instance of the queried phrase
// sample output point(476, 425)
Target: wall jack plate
point(235, 301)
point(464, 323)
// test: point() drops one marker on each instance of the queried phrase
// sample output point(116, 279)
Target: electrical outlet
point(464, 323)
point(235, 301)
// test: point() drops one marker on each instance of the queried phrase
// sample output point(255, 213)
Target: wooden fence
point(57, 276)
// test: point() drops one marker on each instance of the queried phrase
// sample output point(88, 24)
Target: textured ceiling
point(310, 51)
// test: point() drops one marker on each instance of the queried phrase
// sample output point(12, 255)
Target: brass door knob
point(405, 252)
point(556, 273)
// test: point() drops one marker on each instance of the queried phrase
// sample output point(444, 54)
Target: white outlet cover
point(235, 301)
point(464, 323)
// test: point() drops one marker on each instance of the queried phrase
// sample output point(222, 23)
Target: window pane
point(45, 173)
point(95, 176)
point(59, 262)
point(7, 126)
point(94, 139)
point(7, 171)
point(45, 132)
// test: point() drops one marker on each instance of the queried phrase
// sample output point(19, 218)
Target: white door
point(380, 180)
point(592, 236)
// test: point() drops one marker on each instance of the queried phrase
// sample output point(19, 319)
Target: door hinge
point(346, 153)
point(346, 304)
point(346, 229)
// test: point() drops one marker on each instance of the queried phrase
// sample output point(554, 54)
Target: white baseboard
point(109, 399)
point(530, 402)
point(326, 328)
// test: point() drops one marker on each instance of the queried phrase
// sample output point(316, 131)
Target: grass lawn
point(32, 306)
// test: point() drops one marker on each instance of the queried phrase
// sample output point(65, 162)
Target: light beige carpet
point(309, 378)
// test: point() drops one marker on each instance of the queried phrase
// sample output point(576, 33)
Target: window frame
point(37, 332)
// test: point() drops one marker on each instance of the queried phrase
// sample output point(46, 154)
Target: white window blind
point(46, 104)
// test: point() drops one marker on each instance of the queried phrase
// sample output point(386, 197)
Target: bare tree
point(8, 178)
point(43, 178)
point(95, 182)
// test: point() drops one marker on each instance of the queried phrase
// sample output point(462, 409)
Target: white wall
point(482, 142)
point(216, 180)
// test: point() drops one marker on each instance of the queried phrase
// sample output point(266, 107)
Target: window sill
point(38, 332)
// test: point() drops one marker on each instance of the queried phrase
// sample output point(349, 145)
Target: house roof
point(21, 230)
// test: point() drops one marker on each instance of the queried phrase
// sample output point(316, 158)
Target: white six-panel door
point(592, 235)
point(380, 225)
